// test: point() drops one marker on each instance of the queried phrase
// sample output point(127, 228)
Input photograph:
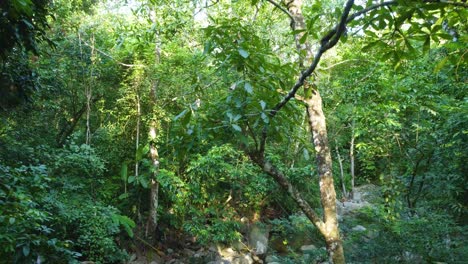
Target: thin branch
point(339, 63)
point(283, 10)
point(370, 8)
point(112, 58)
point(327, 43)
point(462, 4)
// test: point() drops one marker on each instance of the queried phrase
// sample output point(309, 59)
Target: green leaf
point(303, 39)
point(26, 250)
point(245, 54)
point(248, 87)
point(180, 115)
point(12, 220)
point(306, 154)
point(369, 46)
point(131, 179)
point(144, 183)
point(440, 65)
point(207, 48)
point(124, 171)
point(123, 196)
point(236, 127)
point(427, 44)
point(141, 151)
point(124, 221)
point(262, 104)
point(265, 118)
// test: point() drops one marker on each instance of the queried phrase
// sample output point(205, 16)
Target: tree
point(389, 20)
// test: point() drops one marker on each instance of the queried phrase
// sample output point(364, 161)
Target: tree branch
point(112, 58)
point(462, 4)
point(283, 10)
point(283, 181)
point(326, 44)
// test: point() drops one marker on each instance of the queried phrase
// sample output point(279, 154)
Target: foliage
point(429, 237)
point(221, 188)
point(22, 23)
point(207, 78)
point(40, 222)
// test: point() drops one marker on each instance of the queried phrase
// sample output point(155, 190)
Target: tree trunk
point(340, 162)
point(351, 158)
point(154, 184)
point(318, 128)
point(137, 138)
point(324, 164)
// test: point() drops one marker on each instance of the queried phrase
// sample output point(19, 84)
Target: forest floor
point(187, 251)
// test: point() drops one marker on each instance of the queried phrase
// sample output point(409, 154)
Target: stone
point(307, 248)
point(258, 239)
point(227, 254)
point(238, 245)
point(359, 228)
point(170, 251)
point(257, 259)
point(246, 259)
point(357, 196)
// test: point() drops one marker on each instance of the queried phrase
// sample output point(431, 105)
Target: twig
point(159, 252)
point(112, 58)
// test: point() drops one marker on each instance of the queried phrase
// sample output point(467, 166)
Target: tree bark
point(340, 162)
point(317, 124)
point(154, 184)
point(318, 127)
point(137, 138)
point(351, 159)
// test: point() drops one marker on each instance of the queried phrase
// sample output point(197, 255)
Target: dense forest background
point(193, 132)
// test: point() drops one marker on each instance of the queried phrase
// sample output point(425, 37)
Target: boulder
point(258, 239)
point(359, 228)
point(246, 259)
point(227, 254)
point(308, 248)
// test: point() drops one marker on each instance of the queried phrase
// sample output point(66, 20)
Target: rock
point(227, 254)
point(188, 252)
point(258, 239)
point(359, 228)
point(246, 259)
point(357, 196)
point(257, 259)
point(307, 248)
point(170, 251)
point(213, 249)
point(238, 245)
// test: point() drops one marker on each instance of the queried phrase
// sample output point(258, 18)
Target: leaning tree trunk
point(318, 128)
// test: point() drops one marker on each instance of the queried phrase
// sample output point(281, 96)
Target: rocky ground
point(257, 248)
